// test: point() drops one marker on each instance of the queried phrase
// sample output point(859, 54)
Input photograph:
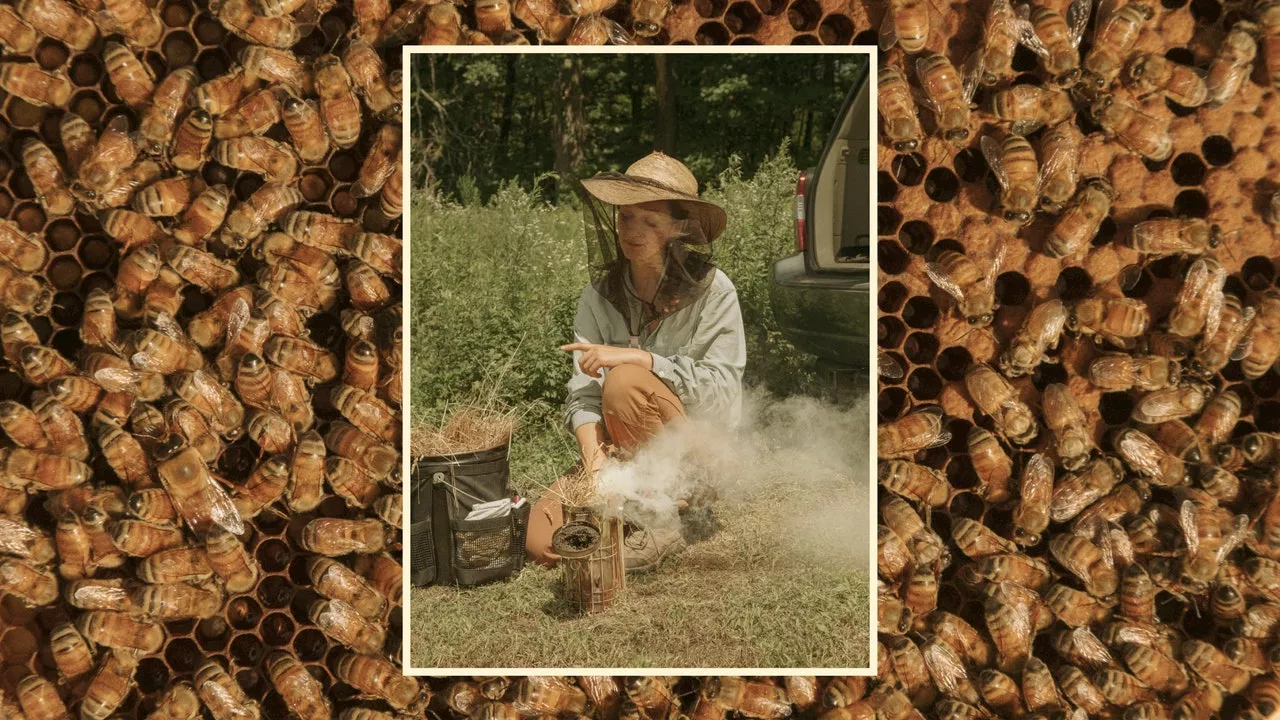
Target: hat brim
point(623, 192)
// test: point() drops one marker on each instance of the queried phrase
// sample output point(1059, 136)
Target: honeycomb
point(1223, 168)
point(273, 614)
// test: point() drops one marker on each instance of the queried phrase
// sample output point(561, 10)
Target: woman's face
point(645, 229)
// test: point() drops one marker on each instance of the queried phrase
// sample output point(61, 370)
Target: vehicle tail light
point(800, 220)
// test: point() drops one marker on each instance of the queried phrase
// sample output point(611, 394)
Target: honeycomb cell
point(1191, 204)
point(1267, 416)
point(1217, 150)
point(67, 341)
point(30, 217)
point(274, 556)
point(177, 14)
point(960, 472)
point(909, 168)
point(901, 362)
point(835, 29)
point(916, 236)
point(941, 185)
point(1048, 373)
point(247, 184)
point(42, 326)
point(1012, 288)
point(920, 348)
point(886, 187)
point(22, 113)
point(332, 506)
point(1115, 407)
point(742, 18)
point(966, 505)
point(298, 570)
point(891, 331)
point(891, 297)
point(274, 707)
point(277, 629)
point(86, 70)
point(246, 650)
point(183, 655)
point(1187, 169)
point(310, 644)
point(344, 203)
point(1258, 272)
point(213, 634)
point(253, 683)
point(212, 62)
point(970, 165)
point(1073, 284)
point(1106, 232)
point(243, 613)
point(11, 385)
point(88, 105)
point(1268, 385)
point(314, 186)
point(1234, 286)
point(64, 272)
point(891, 402)
point(1206, 12)
point(924, 384)
point(920, 312)
point(952, 363)
point(804, 15)
point(887, 219)
point(179, 50)
point(153, 675)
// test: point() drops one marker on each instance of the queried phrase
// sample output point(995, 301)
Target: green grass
point(494, 290)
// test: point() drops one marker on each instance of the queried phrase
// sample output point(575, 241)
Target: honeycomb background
point(1224, 167)
point(273, 615)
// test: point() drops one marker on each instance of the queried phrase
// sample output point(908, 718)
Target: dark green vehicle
point(821, 294)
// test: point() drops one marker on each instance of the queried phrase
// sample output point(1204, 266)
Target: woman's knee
point(622, 385)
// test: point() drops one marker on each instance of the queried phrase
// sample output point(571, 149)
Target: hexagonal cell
point(183, 655)
point(310, 644)
point(87, 70)
point(212, 62)
point(1217, 150)
point(22, 113)
point(30, 217)
point(64, 272)
point(179, 49)
point(893, 258)
point(314, 185)
point(213, 634)
point(916, 236)
point(891, 402)
point(804, 15)
point(246, 650)
point(920, 312)
point(887, 220)
point(909, 168)
point(152, 676)
point(277, 629)
point(1191, 203)
point(742, 18)
point(835, 29)
point(88, 104)
point(1187, 169)
point(920, 348)
point(952, 363)
point(891, 297)
point(924, 384)
point(6, 202)
point(891, 331)
point(243, 613)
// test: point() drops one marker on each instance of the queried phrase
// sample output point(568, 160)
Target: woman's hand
point(595, 357)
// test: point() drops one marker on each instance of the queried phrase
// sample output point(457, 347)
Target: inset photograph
point(640, 361)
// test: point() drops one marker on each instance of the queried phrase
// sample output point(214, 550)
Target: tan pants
point(636, 405)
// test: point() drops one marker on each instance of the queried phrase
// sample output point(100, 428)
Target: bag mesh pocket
point(482, 544)
point(423, 563)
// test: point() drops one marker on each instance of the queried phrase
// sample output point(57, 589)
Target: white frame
point(405, 223)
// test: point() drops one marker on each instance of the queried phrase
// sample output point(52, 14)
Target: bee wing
point(99, 596)
point(938, 275)
point(219, 694)
point(117, 379)
point(1037, 479)
point(997, 259)
point(1190, 530)
point(1106, 8)
point(1246, 342)
point(1231, 541)
point(994, 154)
point(1077, 19)
point(221, 510)
point(888, 29)
point(889, 367)
point(971, 72)
point(15, 538)
point(1139, 451)
point(1061, 160)
point(1091, 648)
point(923, 97)
point(1117, 540)
point(150, 363)
point(1053, 320)
point(1027, 33)
point(236, 318)
point(617, 34)
point(1161, 402)
point(946, 668)
point(165, 323)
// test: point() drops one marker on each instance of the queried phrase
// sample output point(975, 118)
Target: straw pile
point(471, 428)
point(577, 488)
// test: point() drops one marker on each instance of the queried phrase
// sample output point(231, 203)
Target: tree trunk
point(570, 124)
point(665, 87)
point(508, 101)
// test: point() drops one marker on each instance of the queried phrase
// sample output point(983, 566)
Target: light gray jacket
point(699, 351)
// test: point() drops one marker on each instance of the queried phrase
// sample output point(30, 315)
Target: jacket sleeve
point(582, 405)
point(706, 374)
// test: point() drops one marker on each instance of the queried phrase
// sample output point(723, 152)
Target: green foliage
point(495, 289)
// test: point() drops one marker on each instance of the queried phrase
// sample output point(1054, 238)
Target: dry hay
point(469, 429)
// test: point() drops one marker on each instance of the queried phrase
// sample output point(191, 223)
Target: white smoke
point(804, 461)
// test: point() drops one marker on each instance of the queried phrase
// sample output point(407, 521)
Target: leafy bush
point(495, 289)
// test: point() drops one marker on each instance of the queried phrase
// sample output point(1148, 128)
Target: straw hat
point(658, 177)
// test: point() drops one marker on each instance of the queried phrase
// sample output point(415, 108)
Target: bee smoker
point(590, 547)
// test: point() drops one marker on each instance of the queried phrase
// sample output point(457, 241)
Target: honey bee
point(15, 33)
point(271, 159)
point(995, 397)
point(1080, 222)
point(892, 554)
point(1060, 148)
point(275, 65)
point(59, 20)
point(1028, 108)
point(1017, 568)
point(264, 487)
point(350, 482)
point(321, 231)
point(230, 561)
point(63, 428)
point(204, 215)
point(191, 141)
point(24, 541)
point(915, 482)
point(1214, 666)
point(201, 501)
point(253, 115)
point(1115, 34)
point(1148, 459)
point(1260, 621)
point(133, 81)
point(1262, 345)
point(109, 686)
point(153, 505)
point(544, 16)
point(947, 94)
point(1137, 131)
point(302, 693)
point(209, 327)
point(550, 695)
point(266, 205)
point(132, 229)
point(1000, 692)
point(302, 357)
point(1077, 687)
point(222, 695)
point(1031, 515)
point(1199, 304)
point(977, 541)
point(112, 154)
point(118, 630)
point(179, 702)
point(1056, 38)
point(1227, 602)
point(1171, 236)
point(70, 652)
point(166, 350)
point(378, 163)
point(925, 545)
point(1002, 29)
point(38, 471)
point(337, 582)
point(360, 366)
point(138, 22)
point(160, 117)
point(1149, 73)
point(1040, 331)
point(369, 73)
point(110, 595)
point(367, 413)
point(176, 601)
point(1115, 320)
point(1232, 63)
point(23, 427)
point(648, 17)
point(220, 94)
point(595, 30)
point(973, 288)
point(1121, 688)
point(1120, 371)
point(1261, 449)
point(334, 537)
point(214, 401)
point(184, 420)
point(74, 548)
point(1207, 543)
point(302, 120)
point(276, 32)
point(1087, 562)
point(898, 109)
point(339, 106)
point(137, 538)
point(378, 459)
point(38, 699)
point(1268, 17)
point(164, 198)
point(341, 622)
point(919, 430)
point(40, 88)
point(909, 669)
point(42, 364)
point(1008, 615)
point(991, 463)
point(366, 288)
point(1248, 653)
point(202, 269)
point(50, 185)
point(905, 23)
point(1216, 350)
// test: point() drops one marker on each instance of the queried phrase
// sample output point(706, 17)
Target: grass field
point(783, 584)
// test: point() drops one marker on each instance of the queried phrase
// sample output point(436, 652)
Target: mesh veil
point(688, 267)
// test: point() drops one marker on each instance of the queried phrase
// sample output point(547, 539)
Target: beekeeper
point(658, 334)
